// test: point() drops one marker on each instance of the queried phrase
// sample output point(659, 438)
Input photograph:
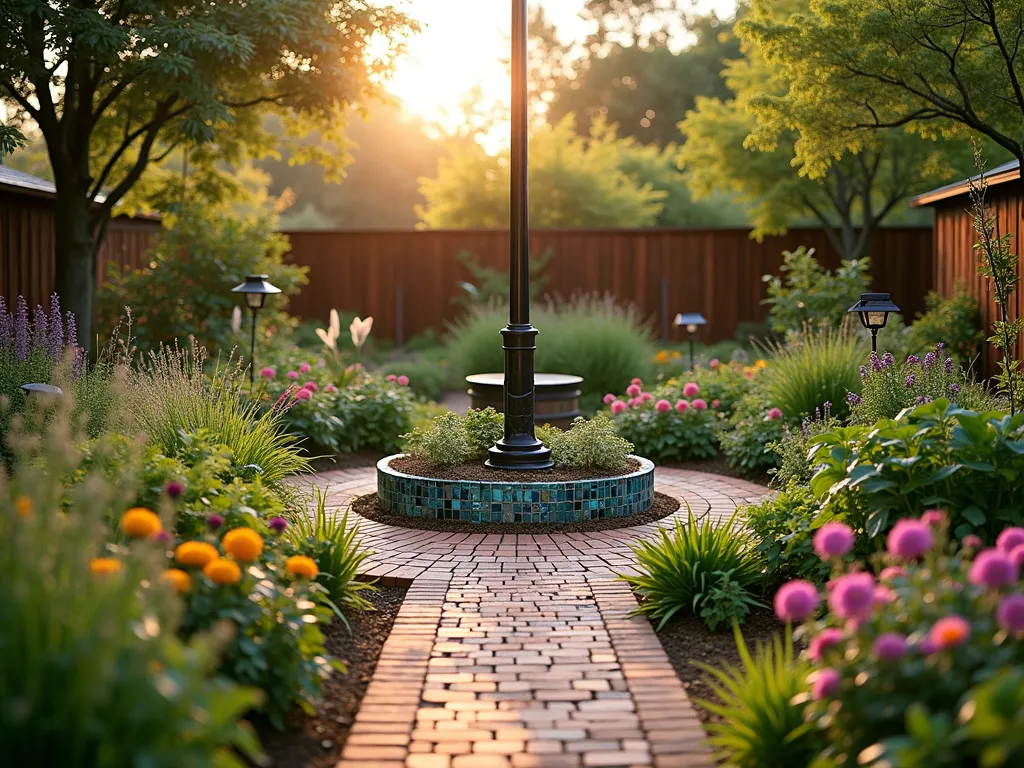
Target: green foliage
point(934, 455)
point(590, 337)
point(814, 367)
point(484, 427)
point(444, 442)
point(678, 569)
point(593, 444)
point(430, 374)
point(91, 671)
point(793, 448)
point(184, 291)
point(782, 528)
point(489, 285)
point(760, 719)
point(332, 544)
point(889, 387)
point(809, 294)
point(727, 602)
point(750, 432)
point(574, 182)
point(671, 435)
point(954, 322)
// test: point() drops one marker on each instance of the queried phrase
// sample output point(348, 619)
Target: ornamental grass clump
point(908, 666)
point(678, 569)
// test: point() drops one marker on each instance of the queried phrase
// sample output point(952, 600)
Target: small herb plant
point(593, 444)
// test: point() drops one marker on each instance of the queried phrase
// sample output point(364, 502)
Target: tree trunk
point(75, 279)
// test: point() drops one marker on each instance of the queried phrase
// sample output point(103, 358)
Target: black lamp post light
point(691, 321)
point(256, 289)
point(519, 448)
point(873, 310)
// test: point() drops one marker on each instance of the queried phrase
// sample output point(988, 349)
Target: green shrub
point(727, 602)
point(955, 322)
point(750, 431)
point(91, 672)
point(443, 443)
point(813, 368)
point(806, 292)
point(333, 545)
point(670, 435)
point(793, 450)
point(429, 374)
point(590, 337)
point(484, 427)
point(593, 444)
point(890, 386)
point(781, 525)
point(761, 721)
point(679, 569)
point(933, 456)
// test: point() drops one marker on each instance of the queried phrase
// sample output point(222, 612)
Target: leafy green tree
point(936, 67)
point(734, 144)
point(574, 182)
point(115, 85)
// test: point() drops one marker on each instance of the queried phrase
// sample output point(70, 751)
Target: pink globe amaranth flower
point(1010, 613)
point(853, 596)
point(391, 377)
point(716, 403)
point(796, 600)
point(690, 389)
point(926, 646)
point(936, 518)
point(883, 596)
point(609, 399)
point(993, 569)
point(330, 388)
point(633, 402)
point(1010, 538)
point(891, 572)
point(833, 540)
point(949, 632)
point(889, 646)
point(312, 386)
point(174, 489)
point(292, 375)
point(682, 406)
point(633, 390)
point(715, 362)
point(1017, 556)
point(403, 381)
point(303, 394)
point(618, 406)
point(267, 373)
point(824, 683)
point(214, 521)
point(909, 539)
point(646, 397)
point(822, 641)
point(774, 414)
point(971, 541)
point(663, 406)
point(304, 368)
point(277, 525)
point(699, 404)
point(637, 382)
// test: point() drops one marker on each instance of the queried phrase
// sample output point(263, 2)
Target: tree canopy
point(115, 85)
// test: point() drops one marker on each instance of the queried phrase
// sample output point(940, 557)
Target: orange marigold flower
point(101, 566)
point(195, 554)
point(140, 523)
point(300, 565)
point(177, 578)
point(223, 571)
point(662, 357)
point(243, 544)
point(23, 506)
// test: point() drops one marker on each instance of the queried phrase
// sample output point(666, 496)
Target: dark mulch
point(718, 466)
point(476, 470)
point(316, 742)
point(367, 507)
point(686, 640)
point(346, 461)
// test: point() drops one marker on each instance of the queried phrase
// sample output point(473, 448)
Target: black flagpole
point(519, 448)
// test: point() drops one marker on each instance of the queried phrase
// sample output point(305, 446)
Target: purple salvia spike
point(72, 341)
point(55, 341)
point(21, 329)
point(6, 326)
point(39, 330)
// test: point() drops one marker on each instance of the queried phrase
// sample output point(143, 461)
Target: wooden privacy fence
point(406, 280)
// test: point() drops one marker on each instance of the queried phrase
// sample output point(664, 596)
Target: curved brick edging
point(479, 501)
point(519, 651)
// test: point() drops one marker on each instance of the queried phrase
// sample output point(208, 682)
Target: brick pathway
point(519, 650)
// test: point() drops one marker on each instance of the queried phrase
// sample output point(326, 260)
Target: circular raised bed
point(557, 396)
point(507, 501)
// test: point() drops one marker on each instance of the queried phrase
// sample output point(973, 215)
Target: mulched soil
point(476, 470)
point(367, 507)
point(686, 640)
point(316, 742)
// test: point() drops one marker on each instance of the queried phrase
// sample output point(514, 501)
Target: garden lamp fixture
point(873, 310)
point(692, 321)
point(519, 448)
point(256, 289)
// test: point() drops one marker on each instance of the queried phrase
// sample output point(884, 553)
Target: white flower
point(236, 319)
point(360, 331)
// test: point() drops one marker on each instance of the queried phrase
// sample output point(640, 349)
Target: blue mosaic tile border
point(476, 501)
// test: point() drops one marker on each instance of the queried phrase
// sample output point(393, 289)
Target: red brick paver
point(519, 651)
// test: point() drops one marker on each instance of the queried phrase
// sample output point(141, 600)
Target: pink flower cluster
point(636, 397)
point(401, 380)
